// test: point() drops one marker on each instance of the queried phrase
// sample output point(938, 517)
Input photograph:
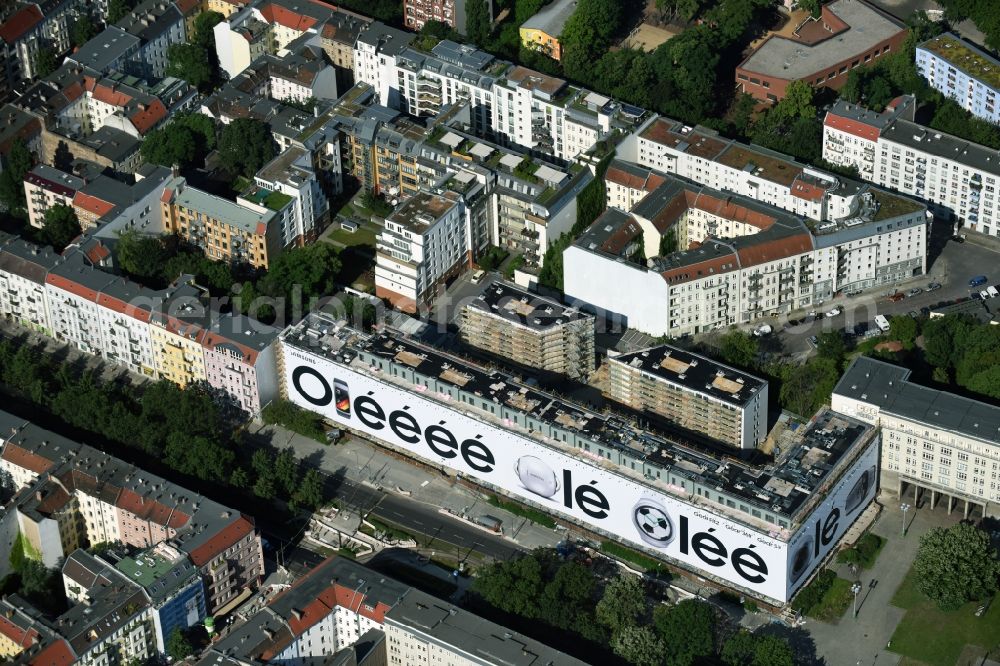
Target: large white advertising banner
point(610, 502)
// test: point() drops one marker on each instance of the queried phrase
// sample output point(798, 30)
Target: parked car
point(914, 292)
point(762, 330)
point(478, 276)
point(897, 297)
point(993, 292)
point(976, 296)
point(882, 323)
point(977, 281)
point(985, 295)
point(958, 238)
point(913, 314)
point(813, 340)
point(833, 313)
point(933, 286)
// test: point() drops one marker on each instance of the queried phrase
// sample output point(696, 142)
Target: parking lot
point(956, 264)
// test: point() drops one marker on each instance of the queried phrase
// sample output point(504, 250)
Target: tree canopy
point(178, 646)
point(955, 565)
point(184, 142)
point(16, 164)
point(478, 21)
point(687, 631)
point(60, 226)
point(191, 63)
point(245, 146)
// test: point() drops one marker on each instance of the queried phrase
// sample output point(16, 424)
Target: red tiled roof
point(150, 510)
point(25, 459)
point(21, 22)
point(23, 637)
point(56, 654)
point(92, 204)
point(807, 191)
point(186, 6)
point(107, 94)
point(713, 266)
point(853, 127)
point(214, 339)
point(145, 119)
point(97, 253)
point(728, 210)
point(121, 307)
point(632, 181)
point(782, 248)
point(277, 14)
point(71, 286)
point(226, 537)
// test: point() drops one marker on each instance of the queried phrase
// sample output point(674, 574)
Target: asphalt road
point(416, 517)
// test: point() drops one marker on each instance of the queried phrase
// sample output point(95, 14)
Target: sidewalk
point(863, 640)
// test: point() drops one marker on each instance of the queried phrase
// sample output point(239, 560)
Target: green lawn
point(935, 637)
point(338, 236)
point(835, 602)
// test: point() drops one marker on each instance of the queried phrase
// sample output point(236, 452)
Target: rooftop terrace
point(966, 57)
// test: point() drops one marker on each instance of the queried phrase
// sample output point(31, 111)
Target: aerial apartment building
point(692, 392)
point(421, 244)
point(30, 28)
point(541, 31)
point(510, 104)
point(606, 472)
point(451, 12)
point(422, 629)
point(963, 72)
point(529, 330)
point(335, 605)
point(170, 334)
point(932, 440)
point(46, 186)
point(704, 258)
point(957, 178)
point(821, 51)
point(238, 232)
point(75, 495)
point(157, 24)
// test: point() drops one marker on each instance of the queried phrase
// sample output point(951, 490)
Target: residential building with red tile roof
point(71, 495)
point(46, 186)
point(704, 258)
point(27, 30)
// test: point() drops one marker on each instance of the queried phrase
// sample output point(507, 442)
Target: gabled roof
point(57, 653)
point(230, 534)
point(20, 23)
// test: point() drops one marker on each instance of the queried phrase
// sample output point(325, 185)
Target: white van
point(882, 323)
point(993, 292)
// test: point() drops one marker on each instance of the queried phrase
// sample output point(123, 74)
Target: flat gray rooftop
point(889, 387)
point(512, 303)
point(478, 640)
point(789, 59)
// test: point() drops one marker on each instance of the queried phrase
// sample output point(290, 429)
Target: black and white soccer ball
point(653, 523)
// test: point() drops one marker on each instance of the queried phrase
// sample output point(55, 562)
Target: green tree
point(513, 587)
point(264, 488)
point(118, 9)
point(622, 604)
point(168, 146)
point(738, 650)
point(60, 226)
point(310, 491)
point(638, 645)
point(808, 387)
point(245, 146)
point(955, 565)
point(739, 348)
point(190, 62)
point(45, 62)
point(17, 163)
point(904, 329)
point(286, 470)
point(296, 276)
point(772, 651)
point(812, 6)
point(477, 21)
point(239, 478)
point(140, 256)
point(83, 30)
point(204, 24)
point(831, 345)
point(569, 597)
point(797, 102)
point(687, 631)
point(178, 646)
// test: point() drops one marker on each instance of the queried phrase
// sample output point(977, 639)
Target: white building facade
point(963, 72)
point(958, 179)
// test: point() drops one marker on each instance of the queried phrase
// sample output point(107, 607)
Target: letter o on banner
point(311, 385)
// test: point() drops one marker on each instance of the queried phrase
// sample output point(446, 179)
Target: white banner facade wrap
point(609, 502)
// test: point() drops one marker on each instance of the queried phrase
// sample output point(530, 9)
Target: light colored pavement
point(864, 640)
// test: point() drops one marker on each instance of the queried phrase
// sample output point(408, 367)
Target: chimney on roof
point(297, 613)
